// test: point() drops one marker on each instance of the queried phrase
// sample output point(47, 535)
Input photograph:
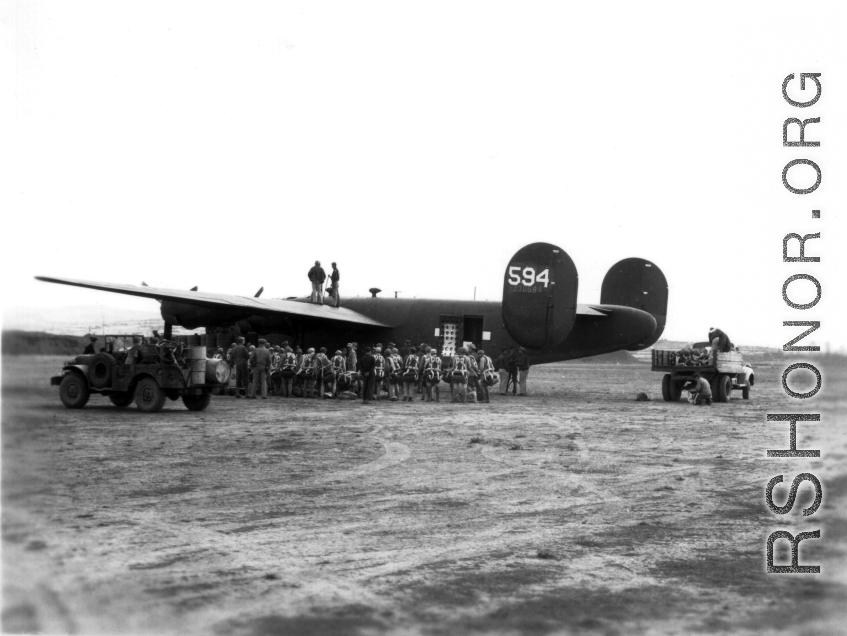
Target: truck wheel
point(745, 392)
point(724, 388)
point(667, 387)
point(100, 370)
point(122, 399)
point(197, 402)
point(74, 391)
point(149, 396)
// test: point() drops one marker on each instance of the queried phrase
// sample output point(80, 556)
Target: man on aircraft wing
point(317, 275)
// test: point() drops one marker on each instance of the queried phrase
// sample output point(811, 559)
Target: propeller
point(259, 293)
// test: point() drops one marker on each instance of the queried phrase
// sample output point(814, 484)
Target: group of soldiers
point(389, 373)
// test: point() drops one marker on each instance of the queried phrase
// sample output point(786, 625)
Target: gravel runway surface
point(573, 510)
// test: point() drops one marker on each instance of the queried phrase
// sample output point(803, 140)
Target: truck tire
point(666, 388)
point(197, 402)
point(100, 370)
point(724, 388)
point(74, 391)
point(122, 399)
point(149, 396)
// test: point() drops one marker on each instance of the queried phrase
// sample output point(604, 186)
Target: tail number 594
point(527, 277)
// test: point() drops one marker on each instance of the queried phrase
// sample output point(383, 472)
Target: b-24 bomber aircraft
point(538, 312)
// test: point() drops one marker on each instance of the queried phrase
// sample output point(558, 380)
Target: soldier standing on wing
point(317, 275)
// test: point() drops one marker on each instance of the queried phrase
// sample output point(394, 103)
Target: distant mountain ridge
point(79, 320)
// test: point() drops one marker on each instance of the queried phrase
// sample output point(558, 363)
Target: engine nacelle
point(539, 296)
point(640, 284)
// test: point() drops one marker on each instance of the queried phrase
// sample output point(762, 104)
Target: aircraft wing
point(258, 306)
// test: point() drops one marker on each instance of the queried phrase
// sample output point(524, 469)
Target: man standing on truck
point(317, 275)
point(720, 342)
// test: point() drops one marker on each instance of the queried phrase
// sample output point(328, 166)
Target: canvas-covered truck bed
point(726, 374)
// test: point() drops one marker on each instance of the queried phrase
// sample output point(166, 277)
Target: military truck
point(726, 373)
point(146, 374)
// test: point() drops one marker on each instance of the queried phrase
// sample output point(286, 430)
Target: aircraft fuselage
point(603, 330)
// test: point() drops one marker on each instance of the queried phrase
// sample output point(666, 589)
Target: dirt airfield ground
point(574, 510)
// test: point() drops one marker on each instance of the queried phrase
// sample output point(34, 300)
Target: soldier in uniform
point(289, 368)
point(307, 372)
point(339, 366)
point(432, 374)
point(378, 371)
point(89, 348)
point(396, 380)
point(392, 373)
point(486, 367)
point(240, 357)
point(334, 278)
point(512, 368)
point(410, 375)
point(317, 275)
point(276, 366)
point(321, 362)
point(458, 372)
point(523, 369)
point(423, 352)
point(473, 373)
point(260, 360)
point(353, 366)
point(366, 364)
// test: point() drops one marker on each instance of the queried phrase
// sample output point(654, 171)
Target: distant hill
point(79, 320)
point(17, 343)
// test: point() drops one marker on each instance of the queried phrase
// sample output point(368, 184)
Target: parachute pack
point(432, 375)
point(460, 369)
point(410, 373)
point(379, 366)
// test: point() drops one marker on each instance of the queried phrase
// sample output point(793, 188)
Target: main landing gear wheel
point(149, 396)
point(197, 402)
point(724, 388)
point(122, 399)
point(74, 391)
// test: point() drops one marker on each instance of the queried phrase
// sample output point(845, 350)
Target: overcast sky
point(419, 146)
